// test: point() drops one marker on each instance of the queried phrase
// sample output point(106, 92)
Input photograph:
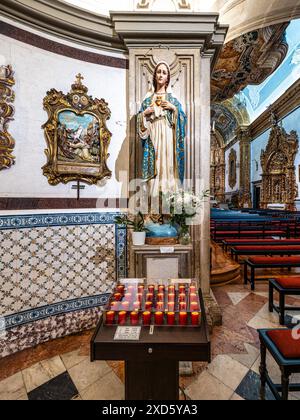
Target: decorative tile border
point(38, 314)
point(57, 326)
point(59, 220)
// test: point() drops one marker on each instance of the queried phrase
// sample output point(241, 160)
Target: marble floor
point(61, 369)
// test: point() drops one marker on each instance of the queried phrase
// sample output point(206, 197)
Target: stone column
point(190, 43)
point(244, 136)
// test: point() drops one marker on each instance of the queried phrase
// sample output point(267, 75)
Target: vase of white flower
point(184, 206)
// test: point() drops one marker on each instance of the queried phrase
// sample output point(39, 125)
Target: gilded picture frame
point(77, 136)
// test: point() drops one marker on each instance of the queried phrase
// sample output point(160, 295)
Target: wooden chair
point(284, 347)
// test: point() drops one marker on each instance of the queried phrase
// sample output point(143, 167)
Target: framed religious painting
point(77, 136)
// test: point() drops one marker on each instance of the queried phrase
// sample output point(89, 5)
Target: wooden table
point(152, 363)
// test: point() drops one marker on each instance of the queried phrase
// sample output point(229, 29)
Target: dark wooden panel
point(151, 381)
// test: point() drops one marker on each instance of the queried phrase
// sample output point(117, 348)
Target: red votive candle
point(140, 289)
point(139, 297)
point(110, 317)
point(159, 318)
point(182, 306)
point(148, 306)
point(134, 318)
point(122, 317)
point(125, 305)
point(171, 289)
point(181, 289)
point(182, 297)
point(160, 297)
point(114, 306)
point(193, 297)
point(182, 318)
point(194, 306)
point(151, 288)
point(120, 288)
point(149, 297)
point(171, 297)
point(117, 296)
point(128, 296)
point(146, 318)
point(136, 305)
point(171, 306)
point(161, 288)
point(192, 288)
point(171, 318)
point(160, 306)
point(195, 318)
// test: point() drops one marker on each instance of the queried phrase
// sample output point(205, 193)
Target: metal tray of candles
point(164, 306)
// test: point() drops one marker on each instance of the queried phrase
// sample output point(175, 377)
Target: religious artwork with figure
point(162, 130)
point(78, 137)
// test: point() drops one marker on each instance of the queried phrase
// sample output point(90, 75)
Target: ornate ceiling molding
point(249, 59)
point(63, 20)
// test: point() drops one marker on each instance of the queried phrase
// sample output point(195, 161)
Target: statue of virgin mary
point(162, 129)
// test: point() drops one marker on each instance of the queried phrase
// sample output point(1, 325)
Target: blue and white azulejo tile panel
point(58, 263)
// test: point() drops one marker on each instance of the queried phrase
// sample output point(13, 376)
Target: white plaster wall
point(291, 122)
point(257, 145)
point(228, 189)
point(36, 72)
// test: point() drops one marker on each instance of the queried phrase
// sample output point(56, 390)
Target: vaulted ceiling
point(248, 59)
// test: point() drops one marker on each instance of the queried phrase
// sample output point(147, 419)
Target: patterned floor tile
point(42, 372)
point(228, 371)
point(249, 358)
point(107, 388)
point(249, 388)
point(237, 297)
point(86, 373)
point(60, 388)
point(207, 387)
point(13, 388)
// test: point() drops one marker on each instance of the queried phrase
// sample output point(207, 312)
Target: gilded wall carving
point(232, 168)
point(76, 135)
point(7, 111)
point(217, 168)
point(278, 165)
point(243, 134)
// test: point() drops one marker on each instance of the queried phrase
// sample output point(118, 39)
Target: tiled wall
point(57, 270)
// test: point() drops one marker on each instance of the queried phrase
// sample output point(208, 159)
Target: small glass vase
point(185, 237)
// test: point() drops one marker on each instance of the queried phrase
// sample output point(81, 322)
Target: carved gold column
point(7, 111)
point(244, 136)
